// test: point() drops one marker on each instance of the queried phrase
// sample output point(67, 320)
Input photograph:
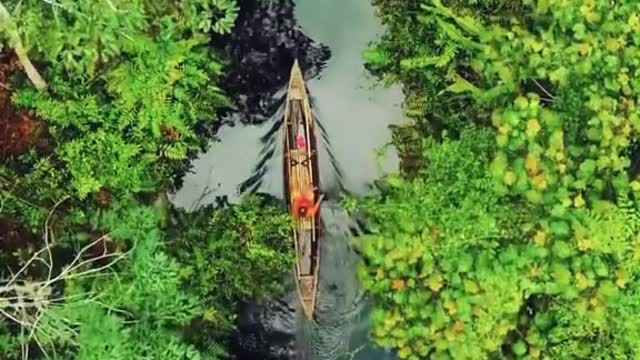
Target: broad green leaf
point(461, 85)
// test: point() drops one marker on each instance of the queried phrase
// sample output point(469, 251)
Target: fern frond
point(629, 211)
point(174, 152)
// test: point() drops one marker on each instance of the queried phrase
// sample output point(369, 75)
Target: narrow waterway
point(355, 115)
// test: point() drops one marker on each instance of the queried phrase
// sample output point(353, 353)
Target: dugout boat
point(300, 176)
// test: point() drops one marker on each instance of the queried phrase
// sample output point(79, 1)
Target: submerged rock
point(260, 52)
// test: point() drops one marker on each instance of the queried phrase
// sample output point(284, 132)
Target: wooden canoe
point(300, 175)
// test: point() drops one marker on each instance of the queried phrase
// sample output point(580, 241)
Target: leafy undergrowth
point(516, 235)
point(19, 131)
point(108, 105)
point(251, 247)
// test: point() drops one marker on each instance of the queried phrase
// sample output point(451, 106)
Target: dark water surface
point(355, 117)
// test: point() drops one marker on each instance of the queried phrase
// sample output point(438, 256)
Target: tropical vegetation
point(512, 231)
point(103, 104)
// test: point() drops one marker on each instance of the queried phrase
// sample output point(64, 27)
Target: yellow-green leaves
point(533, 127)
point(521, 103)
point(559, 76)
point(556, 82)
point(588, 11)
point(561, 274)
point(462, 85)
point(435, 282)
point(505, 73)
point(532, 164)
point(540, 238)
point(543, 6)
point(510, 177)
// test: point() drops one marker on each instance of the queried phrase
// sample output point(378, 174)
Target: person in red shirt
point(303, 206)
point(301, 143)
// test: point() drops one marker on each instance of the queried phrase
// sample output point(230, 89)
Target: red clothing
point(304, 207)
point(301, 143)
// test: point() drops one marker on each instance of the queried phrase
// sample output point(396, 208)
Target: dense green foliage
point(251, 245)
point(426, 53)
point(125, 97)
point(168, 287)
point(517, 237)
point(101, 266)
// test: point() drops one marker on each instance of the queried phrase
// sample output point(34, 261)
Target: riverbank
point(497, 239)
point(87, 161)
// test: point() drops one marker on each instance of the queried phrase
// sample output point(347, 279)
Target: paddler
point(303, 206)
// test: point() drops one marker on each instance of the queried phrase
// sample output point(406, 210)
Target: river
point(355, 114)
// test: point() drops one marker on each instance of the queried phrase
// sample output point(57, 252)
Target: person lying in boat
point(303, 206)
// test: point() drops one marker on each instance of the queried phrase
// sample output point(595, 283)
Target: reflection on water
point(229, 162)
point(262, 47)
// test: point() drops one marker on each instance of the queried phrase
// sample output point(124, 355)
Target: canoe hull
point(301, 174)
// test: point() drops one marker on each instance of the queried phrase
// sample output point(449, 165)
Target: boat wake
point(332, 181)
point(341, 329)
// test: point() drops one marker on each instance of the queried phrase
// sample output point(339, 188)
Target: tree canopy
point(516, 237)
point(103, 105)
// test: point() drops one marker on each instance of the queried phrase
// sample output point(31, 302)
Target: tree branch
point(21, 52)
point(25, 302)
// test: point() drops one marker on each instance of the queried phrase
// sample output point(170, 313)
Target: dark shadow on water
point(260, 52)
point(268, 331)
